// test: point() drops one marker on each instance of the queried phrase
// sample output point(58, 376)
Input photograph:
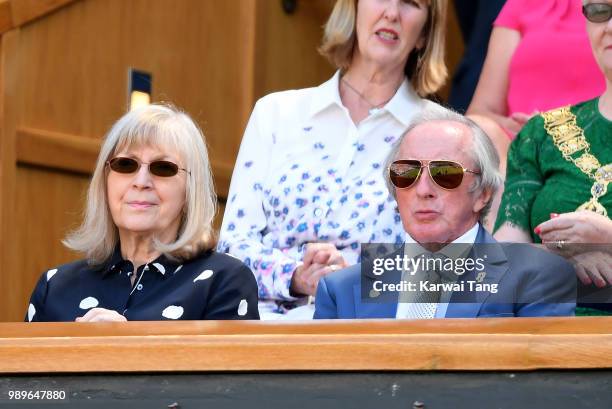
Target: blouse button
point(318, 212)
point(139, 287)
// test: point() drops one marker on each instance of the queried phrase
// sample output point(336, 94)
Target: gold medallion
point(569, 138)
point(587, 163)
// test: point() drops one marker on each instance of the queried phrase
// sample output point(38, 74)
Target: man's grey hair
point(482, 152)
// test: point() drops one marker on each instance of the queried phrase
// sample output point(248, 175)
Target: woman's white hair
point(482, 152)
point(165, 127)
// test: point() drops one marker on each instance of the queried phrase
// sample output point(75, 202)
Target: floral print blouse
point(306, 173)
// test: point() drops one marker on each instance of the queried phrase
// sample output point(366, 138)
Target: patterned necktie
point(423, 304)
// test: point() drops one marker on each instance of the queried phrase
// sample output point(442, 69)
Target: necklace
point(570, 140)
point(374, 108)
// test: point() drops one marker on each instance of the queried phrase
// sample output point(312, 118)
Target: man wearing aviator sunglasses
point(443, 174)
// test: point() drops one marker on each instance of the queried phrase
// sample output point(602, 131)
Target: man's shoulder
point(67, 274)
point(213, 259)
point(528, 255)
point(529, 250)
point(74, 267)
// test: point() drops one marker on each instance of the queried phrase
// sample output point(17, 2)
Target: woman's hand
point(594, 268)
point(576, 228)
point(323, 253)
point(306, 279)
point(101, 315)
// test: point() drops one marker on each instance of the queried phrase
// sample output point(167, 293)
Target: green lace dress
point(539, 181)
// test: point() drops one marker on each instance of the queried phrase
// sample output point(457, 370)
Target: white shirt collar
point(404, 103)
point(326, 94)
point(402, 106)
point(469, 237)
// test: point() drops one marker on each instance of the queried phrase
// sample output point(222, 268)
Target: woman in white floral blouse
point(307, 188)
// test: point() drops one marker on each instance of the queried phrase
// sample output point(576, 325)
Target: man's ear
point(482, 199)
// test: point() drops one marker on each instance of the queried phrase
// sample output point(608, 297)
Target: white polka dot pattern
point(88, 303)
point(31, 312)
point(161, 268)
point(173, 312)
point(204, 275)
point(51, 273)
point(243, 307)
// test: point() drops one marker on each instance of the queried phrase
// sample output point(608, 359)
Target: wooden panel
point(10, 103)
point(286, 49)
point(49, 205)
point(27, 10)
point(6, 19)
point(57, 150)
point(449, 326)
point(222, 172)
point(197, 51)
point(355, 346)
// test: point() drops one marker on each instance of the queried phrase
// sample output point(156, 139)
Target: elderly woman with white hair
point(147, 235)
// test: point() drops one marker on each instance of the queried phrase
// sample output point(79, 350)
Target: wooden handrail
point(15, 13)
point(57, 150)
point(451, 344)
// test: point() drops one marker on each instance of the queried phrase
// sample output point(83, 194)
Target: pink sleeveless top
point(553, 64)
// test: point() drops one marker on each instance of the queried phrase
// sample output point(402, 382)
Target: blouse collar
point(116, 263)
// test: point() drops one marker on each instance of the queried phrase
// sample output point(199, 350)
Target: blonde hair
point(152, 125)
point(425, 67)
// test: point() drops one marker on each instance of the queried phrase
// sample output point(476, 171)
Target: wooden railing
point(517, 344)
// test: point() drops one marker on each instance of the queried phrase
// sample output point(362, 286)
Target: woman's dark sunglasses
point(597, 12)
point(161, 168)
point(447, 174)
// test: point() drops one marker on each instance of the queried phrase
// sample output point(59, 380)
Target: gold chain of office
point(569, 138)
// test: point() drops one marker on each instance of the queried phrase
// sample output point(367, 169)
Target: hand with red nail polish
point(594, 268)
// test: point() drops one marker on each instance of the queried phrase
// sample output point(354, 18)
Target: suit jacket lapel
point(495, 266)
point(382, 309)
point(382, 305)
